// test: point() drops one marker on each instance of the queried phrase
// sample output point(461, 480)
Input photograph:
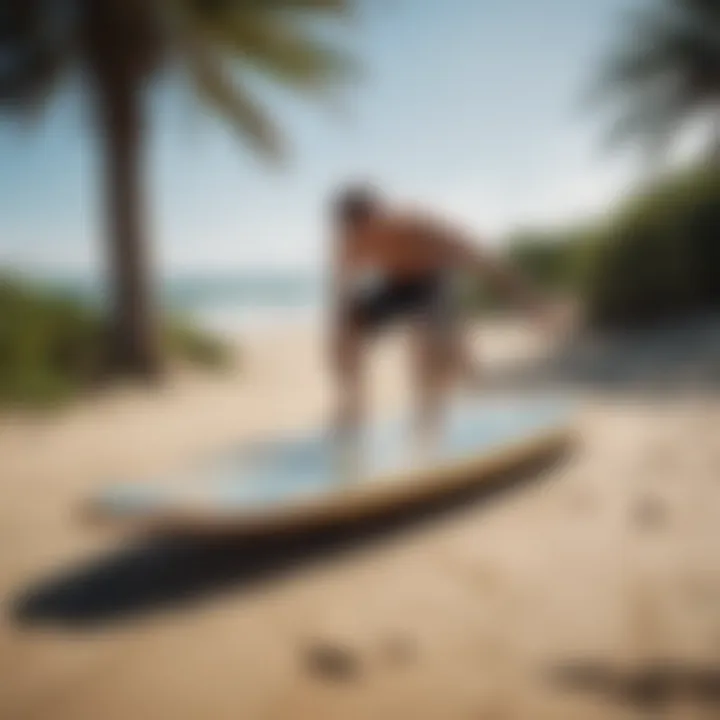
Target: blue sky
point(469, 106)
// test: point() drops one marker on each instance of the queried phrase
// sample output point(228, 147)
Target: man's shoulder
point(414, 220)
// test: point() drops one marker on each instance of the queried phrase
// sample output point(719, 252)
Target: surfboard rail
point(344, 503)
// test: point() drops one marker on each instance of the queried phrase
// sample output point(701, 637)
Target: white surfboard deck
point(298, 480)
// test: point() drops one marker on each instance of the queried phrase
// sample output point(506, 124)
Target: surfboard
point(298, 480)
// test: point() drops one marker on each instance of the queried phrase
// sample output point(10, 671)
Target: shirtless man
point(392, 267)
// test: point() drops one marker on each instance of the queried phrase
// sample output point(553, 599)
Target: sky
point(470, 107)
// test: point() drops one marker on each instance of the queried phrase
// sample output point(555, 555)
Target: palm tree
point(117, 48)
point(665, 72)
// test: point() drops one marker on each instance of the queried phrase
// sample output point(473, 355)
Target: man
point(392, 267)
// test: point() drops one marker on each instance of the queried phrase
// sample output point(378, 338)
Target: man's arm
point(457, 249)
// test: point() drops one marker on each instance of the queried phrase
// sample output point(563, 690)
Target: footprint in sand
point(332, 661)
point(649, 512)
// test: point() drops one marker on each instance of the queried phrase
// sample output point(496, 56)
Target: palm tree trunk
point(113, 42)
point(133, 339)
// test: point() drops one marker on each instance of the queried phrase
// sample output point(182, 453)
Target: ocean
point(228, 303)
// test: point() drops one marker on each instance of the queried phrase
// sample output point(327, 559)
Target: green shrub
point(552, 261)
point(659, 258)
point(655, 259)
point(48, 344)
point(52, 346)
point(547, 259)
point(193, 345)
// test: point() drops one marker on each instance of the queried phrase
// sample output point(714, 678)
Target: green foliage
point(195, 346)
point(660, 256)
point(655, 259)
point(664, 71)
point(550, 259)
point(218, 46)
point(47, 344)
point(51, 346)
point(117, 50)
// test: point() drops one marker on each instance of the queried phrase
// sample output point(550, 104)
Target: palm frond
point(665, 69)
point(217, 39)
point(262, 34)
point(215, 84)
point(331, 7)
point(702, 10)
point(28, 82)
point(218, 9)
point(36, 50)
point(277, 47)
point(659, 43)
point(650, 122)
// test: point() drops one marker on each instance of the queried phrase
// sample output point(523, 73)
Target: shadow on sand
point(651, 687)
point(164, 572)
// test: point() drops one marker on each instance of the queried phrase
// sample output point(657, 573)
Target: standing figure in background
point(394, 267)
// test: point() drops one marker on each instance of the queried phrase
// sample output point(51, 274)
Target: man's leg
point(350, 400)
point(431, 376)
point(447, 316)
point(469, 370)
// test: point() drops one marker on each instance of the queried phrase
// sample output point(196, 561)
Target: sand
point(592, 590)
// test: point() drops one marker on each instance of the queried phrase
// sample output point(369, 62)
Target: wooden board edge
point(354, 503)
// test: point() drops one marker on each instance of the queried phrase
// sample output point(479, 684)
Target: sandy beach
point(591, 590)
